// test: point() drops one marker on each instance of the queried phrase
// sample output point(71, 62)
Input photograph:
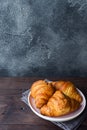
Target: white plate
point(61, 118)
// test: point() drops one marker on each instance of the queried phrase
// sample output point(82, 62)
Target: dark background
point(43, 38)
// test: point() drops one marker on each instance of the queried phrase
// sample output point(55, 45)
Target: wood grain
point(16, 115)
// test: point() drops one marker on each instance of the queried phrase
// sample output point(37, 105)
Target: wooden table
point(16, 115)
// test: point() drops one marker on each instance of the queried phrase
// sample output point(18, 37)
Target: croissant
point(68, 89)
point(59, 104)
point(41, 91)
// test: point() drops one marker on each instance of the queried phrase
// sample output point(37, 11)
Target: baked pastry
point(59, 104)
point(55, 98)
point(68, 89)
point(41, 91)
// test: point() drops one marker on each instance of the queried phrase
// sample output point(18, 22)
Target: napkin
point(68, 125)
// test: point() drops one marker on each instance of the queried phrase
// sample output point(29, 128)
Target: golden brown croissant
point(59, 104)
point(41, 91)
point(68, 89)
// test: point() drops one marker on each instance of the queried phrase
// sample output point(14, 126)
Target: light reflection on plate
point(61, 118)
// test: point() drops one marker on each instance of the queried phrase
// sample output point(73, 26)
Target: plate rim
point(58, 119)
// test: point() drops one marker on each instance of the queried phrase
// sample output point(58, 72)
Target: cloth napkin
point(68, 125)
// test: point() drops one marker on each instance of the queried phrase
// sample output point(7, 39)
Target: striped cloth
point(68, 125)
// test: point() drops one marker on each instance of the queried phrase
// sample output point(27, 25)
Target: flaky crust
point(41, 91)
point(59, 104)
point(68, 89)
point(55, 98)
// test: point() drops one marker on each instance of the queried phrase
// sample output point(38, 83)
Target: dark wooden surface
point(16, 115)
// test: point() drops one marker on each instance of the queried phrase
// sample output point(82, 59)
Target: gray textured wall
point(43, 38)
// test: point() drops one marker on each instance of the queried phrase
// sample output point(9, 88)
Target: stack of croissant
point(55, 98)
